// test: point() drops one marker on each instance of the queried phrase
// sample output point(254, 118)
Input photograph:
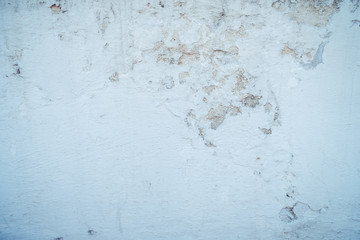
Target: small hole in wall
point(161, 4)
point(257, 173)
point(91, 232)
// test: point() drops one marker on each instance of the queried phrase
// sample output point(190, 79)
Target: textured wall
point(179, 119)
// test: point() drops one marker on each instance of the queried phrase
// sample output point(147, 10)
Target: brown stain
point(114, 77)
point(188, 57)
point(162, 58)
point(289, 51)
point(56, 9)
point(308, 55)
point(233, 50)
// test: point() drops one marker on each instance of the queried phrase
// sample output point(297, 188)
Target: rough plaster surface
point(179, 119)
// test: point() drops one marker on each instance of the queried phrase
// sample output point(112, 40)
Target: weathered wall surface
point(179, 119)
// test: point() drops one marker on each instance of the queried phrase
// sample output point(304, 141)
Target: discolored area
point(233, 119)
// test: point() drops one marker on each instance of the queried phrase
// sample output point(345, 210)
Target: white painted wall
point(179, 120)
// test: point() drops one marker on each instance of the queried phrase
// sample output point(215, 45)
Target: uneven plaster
point(177, 119)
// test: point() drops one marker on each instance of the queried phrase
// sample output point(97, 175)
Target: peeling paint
point(179, 119)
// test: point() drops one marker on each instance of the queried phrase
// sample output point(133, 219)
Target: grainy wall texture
point(182, 120)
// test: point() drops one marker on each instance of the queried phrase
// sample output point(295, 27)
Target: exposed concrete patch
point(188, 57)
point(289, 51)
point(182, 77)
point(251, 100)
point(317, 59)
point(308, 58)
point(217, 115)
point(316, 13)
point(206, 59)
point(241, 82)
